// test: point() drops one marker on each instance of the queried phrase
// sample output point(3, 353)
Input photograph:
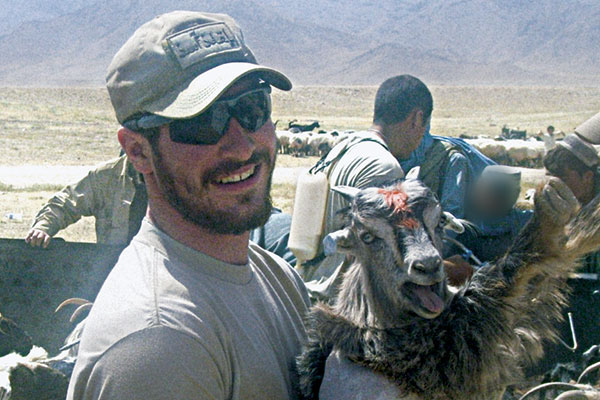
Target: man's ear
point(137, 148)
point(416, 119)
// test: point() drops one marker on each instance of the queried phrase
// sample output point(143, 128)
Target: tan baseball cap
point(590, 129)
point(178, 64)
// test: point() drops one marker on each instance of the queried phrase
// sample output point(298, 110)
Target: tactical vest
point(432, 172)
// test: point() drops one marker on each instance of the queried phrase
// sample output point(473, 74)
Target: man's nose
point(237, 142)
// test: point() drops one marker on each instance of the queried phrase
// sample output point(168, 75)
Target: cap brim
point(200, 93)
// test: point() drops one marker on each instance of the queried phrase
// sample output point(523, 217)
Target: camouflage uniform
point(107, 193)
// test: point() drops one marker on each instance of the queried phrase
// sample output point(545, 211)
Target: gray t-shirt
point(345, 380)
point(365, 164)
point(173, 323)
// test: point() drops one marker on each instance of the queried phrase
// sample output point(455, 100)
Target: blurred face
point(488, 203)
point(222, 187)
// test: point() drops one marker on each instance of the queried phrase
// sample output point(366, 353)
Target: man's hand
point(37, 238)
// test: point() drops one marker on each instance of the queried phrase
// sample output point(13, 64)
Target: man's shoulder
point(439, 144)
point(111, 168)
point(366, 144)
point(365, 162)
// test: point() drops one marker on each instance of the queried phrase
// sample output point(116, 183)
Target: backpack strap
point(336, 153)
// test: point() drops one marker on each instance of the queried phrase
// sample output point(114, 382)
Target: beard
point(252, 210)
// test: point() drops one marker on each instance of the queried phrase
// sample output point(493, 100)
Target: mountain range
point(353, 42)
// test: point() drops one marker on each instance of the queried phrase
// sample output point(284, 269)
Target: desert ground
point(52, 136)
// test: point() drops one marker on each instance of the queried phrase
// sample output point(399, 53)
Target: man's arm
point(152, 364)
point(454, 190)
point(65, 208)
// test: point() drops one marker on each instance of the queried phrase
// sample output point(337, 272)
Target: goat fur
point(487, 332)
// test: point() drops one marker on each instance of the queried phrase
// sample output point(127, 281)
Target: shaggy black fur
point(487, 331)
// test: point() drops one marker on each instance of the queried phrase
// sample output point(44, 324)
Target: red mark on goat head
point(396, 200)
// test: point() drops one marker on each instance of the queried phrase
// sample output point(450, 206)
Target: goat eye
point(443, 221)
point(367, 237)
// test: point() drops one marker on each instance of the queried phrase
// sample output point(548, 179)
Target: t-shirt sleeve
point(156, 363)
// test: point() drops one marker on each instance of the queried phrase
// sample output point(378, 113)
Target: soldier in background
point(114, 194)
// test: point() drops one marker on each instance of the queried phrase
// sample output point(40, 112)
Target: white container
point(14, 216)
point(308, 217)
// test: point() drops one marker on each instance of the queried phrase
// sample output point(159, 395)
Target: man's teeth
point(238, 178)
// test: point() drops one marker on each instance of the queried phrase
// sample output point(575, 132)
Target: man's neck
point(378, 130)
point(231, 249)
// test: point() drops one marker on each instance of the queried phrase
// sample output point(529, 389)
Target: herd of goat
point(395, 312)
point(517, 150)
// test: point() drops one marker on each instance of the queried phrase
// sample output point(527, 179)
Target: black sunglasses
point(252, 109)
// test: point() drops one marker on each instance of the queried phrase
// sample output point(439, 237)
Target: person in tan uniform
point(114, 193)
point(192, 309)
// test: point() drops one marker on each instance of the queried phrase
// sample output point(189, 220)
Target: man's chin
point(234, 221)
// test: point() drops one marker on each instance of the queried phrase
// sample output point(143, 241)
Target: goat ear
point(452, 223)
point(347, 192)
point(413, 173)
point(337, 242)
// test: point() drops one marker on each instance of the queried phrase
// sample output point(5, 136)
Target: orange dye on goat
point(396, 200)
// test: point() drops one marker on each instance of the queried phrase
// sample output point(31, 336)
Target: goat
point(303, 127)
point(38, 377)
point(395, 314)
point(13, 338)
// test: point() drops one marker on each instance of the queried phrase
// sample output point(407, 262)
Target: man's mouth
point(239, 177)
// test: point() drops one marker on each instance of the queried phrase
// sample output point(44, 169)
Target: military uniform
point(114, 193)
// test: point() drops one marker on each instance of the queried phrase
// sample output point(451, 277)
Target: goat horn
point(74, 300)
point(413, 173)
point(553, 385)
point(589, 369)
point(579, 394)
point(347, 192)
point(79, 310)
point(452, 223)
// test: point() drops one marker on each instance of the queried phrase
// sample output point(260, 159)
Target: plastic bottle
point(308, 217)
point(14, 216)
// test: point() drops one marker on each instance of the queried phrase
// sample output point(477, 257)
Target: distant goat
point(395, 313)
point(303, 127)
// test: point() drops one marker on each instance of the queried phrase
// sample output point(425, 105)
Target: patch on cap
point(201, 42)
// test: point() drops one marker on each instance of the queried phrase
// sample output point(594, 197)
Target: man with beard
point(192, 310)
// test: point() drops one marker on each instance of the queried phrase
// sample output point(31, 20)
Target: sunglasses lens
point(251, 111)
point(197, 130)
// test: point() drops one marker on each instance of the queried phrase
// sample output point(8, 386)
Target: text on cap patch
point(197, 43)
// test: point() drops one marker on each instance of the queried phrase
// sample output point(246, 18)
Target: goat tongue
point(429, 299)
